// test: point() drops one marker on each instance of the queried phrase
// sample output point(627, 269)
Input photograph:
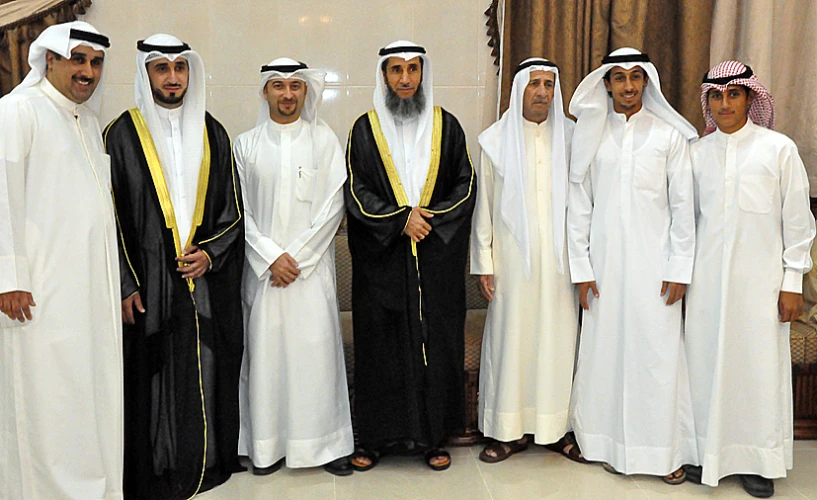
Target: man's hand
point(128, 304)
point(195, 263)
point(790, 306)
point(416, 227)
point(583, 289)
point(486, 286)
point(284, 271)
point(676, 291)
point(17, 305)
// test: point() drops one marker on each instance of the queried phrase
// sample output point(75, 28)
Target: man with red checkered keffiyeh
point(754, 234)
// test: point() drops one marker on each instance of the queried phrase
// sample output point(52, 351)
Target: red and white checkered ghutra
point(761, 112)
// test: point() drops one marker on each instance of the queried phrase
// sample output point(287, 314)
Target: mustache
point(541, 100)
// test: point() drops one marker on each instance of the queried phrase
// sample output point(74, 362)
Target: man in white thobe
point(518, 250)
point(294, 397)
point(631, 239)
point(754, 235)
point(61, 334)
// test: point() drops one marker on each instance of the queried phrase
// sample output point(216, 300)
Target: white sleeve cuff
point(679, 270)
point(482, 261)
point(792, 281)
point(14, 274)
point(581, 271)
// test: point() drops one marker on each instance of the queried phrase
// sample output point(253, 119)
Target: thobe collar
point(59, 99)
point(622, 118)
point(738, 135)
point(286, 127)
point(527, 124)
point(404, 122)
point(170, 114)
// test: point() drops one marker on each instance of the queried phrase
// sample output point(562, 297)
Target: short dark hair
point(56, 56)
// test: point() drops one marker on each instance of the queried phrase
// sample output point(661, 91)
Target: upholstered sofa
point(803, 346)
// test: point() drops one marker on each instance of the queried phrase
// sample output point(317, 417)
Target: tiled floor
point(534, 474)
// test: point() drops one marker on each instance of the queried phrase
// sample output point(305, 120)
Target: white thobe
point(182, 183)
point(410, 170)
point(754, 234)
point(630, 227)
point(61, 423)
point(294, 396)
point(528, 348)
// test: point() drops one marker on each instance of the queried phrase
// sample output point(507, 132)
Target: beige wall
point(776, 38)
point(341, 36)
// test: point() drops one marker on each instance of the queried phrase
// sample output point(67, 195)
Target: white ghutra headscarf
point(62, 39)
point(422, 140)
point(331, 176)
point(504, 143)
point(163, 46)
point(590, 105)
point(286, 68)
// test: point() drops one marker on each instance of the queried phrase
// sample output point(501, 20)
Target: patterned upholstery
point(803, 342)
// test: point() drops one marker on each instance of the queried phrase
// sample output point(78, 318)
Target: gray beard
point(408, 108)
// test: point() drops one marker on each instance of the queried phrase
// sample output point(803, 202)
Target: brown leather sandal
point(502, 451)
point(569, 448)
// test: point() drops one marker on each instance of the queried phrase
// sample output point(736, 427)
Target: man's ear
point(607, 85)
point(49, 60)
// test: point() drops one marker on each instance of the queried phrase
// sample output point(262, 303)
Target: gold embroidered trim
point(352, 187)
point(116, 214)
point(434, 166)
point(201, 192)
point(388, 162)
point(468, 195)
point(235, 192)
point(160, 184)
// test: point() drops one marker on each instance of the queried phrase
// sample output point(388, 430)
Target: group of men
point(190, 314)
point(632, 209)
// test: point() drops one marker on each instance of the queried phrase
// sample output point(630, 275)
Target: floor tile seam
point(642, 490)
point(481, 475)
point(802, 493)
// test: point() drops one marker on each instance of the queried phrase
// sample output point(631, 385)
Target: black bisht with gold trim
point(182, 358)
point(408, 300)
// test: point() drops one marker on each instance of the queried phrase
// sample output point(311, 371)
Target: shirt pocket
point(649, 172)
point(756, 193)
point(305, 184)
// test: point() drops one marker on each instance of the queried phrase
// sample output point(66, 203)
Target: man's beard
point(170, 100)
point(407, 108)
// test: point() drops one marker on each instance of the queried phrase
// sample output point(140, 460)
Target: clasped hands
point(284, 271)
point(417, 228)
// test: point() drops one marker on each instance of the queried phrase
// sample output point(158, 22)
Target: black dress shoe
point(694, 473)
point(265, 471)
point(757, 486)
point(339, 467)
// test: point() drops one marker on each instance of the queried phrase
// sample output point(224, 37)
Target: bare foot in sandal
point(498, 451)
point(676, 477)
point(569, 448)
